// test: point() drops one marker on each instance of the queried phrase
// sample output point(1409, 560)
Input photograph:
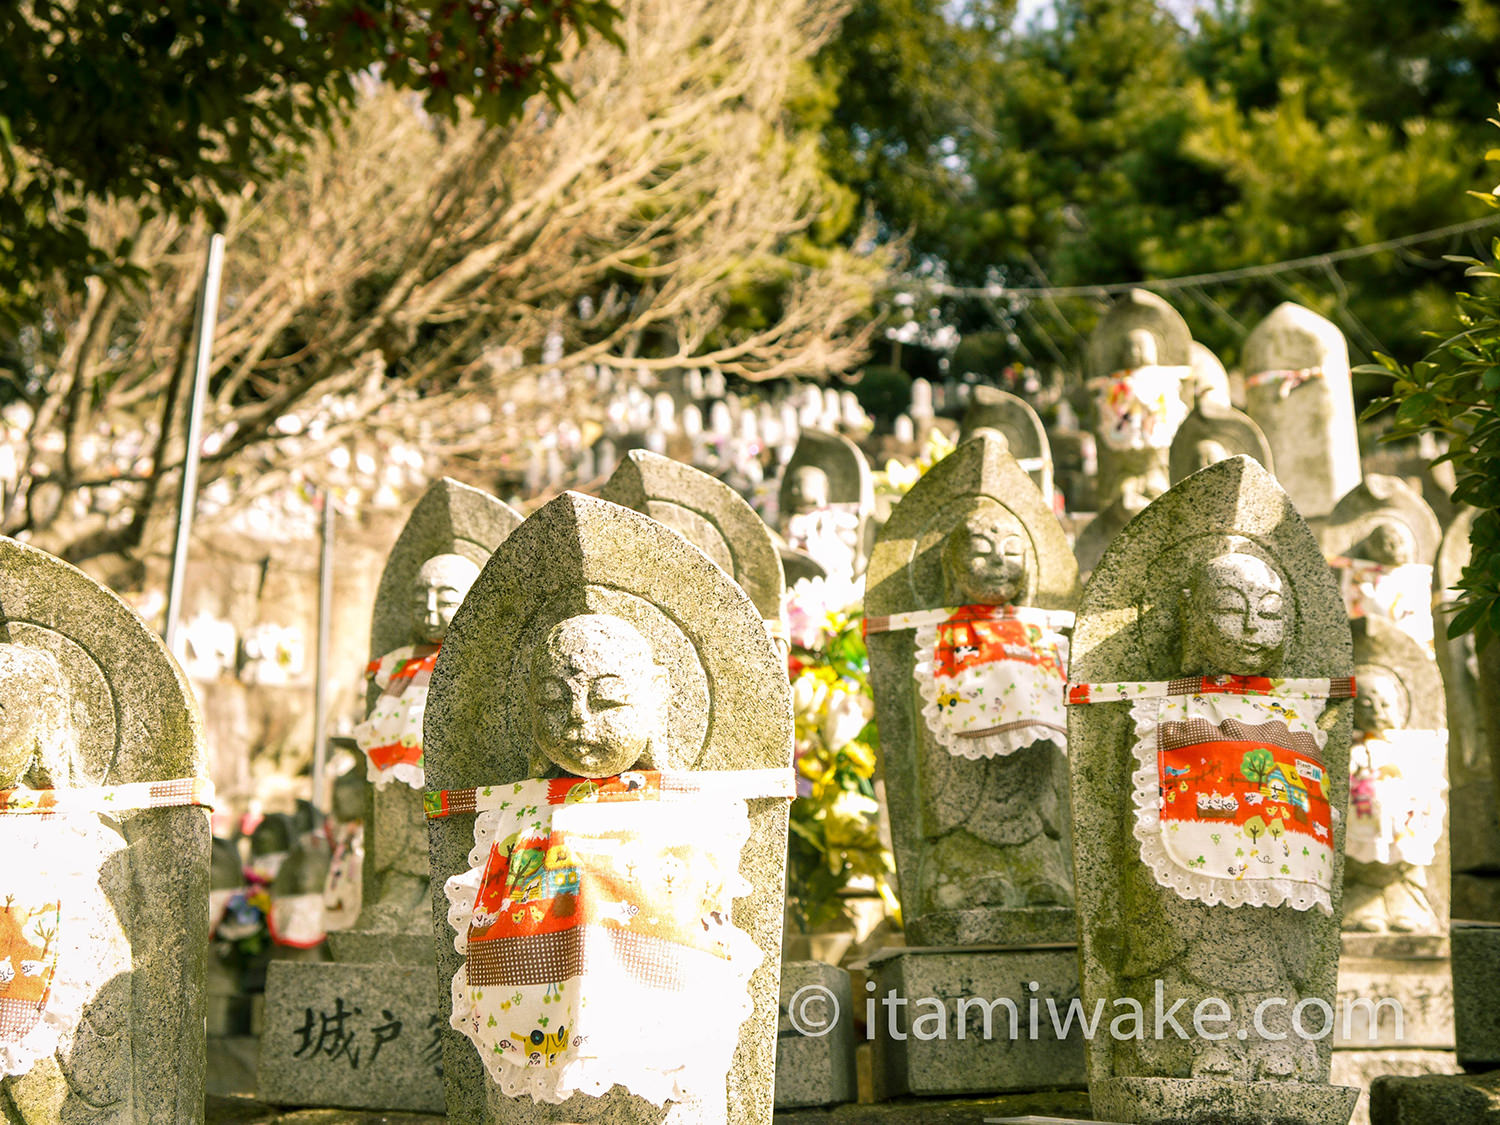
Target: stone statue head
point(1208, 452)
point(597, 697)
point(439, 589)
point(1381, 703)
point(984, 559)
point(1140, 349)
point(1390, 543)
point(1234, 620)
point(809, 490)
point(36, 733)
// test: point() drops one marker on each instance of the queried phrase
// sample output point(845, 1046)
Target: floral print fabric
point(1397, 787)
point(1141, 408)
point(391, 735)
point(991, 677)
point(1231, 793)
point(596, 927)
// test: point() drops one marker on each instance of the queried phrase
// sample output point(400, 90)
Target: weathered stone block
point(1476, 1000)
point(341, 1035)
point(814, 1036)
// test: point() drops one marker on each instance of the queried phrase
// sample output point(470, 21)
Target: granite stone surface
point(1310, 425)
point(1138, 936)
point(728, 706)
point(975, 840)
point(815, 1034)
point(1213, 432)
point(1013, 418)
point(352, 1036)
point(105, 704)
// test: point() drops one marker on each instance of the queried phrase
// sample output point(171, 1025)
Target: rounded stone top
point(991, 408)
point(726, 699)
point(1233, 431)
point(712, 516)
point(1293, 338)
point(849, 480)
point(1138, 310)
point(451, 518)
point(1131, 617)
point(1381, 500)
point(980, 476)
point(134, 716)
point(1210, 380)
point(1383, 649)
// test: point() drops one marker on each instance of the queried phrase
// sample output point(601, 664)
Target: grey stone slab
point(1359, 1069)
point(345, 1036)
point(1476, 995)
point(1012, 418)
point(710, 515)
point(1311, 428)
point(1064, 1105)
point(937, 1042)
point(814, 1036)
point(1473, 1099)
point(976, 841)
point(1370, 980)
point(88, 684)
point(1134, 624)
point(727, 705)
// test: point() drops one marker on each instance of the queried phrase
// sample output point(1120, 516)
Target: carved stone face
point(597, 695)
point(1140, 349)
point(33, 717)
point(440, 588)
point(984, 560)
point(1236, 621)
point(809, 489)
point(1390, 543)
point(1381, 702)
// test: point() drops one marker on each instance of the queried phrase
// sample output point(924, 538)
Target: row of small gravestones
point(715, 699)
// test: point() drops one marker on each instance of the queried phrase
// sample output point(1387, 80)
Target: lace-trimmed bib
point(1397, 805)
point(391, 736)
point(1230, 790)
point(1140, 408)
point(991, 677)
point(56, 925)
point(595, 924)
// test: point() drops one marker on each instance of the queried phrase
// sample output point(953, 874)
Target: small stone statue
point(1208, 753)
point(608, 742)
point(1396, 875)
point(826, 499)
point(967, 590)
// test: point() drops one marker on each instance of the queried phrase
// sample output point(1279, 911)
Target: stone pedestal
point(1473, 1099)
point(814, 1036)
point(936, 1043)
point(353, 1036)
point(1476, 1013)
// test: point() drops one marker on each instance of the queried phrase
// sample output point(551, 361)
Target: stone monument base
point(352, 1036)
point(1473, 1099)
point(1031, 925)
point(1476, 1016)
point(926, 1010)
point(814, 1036)
point(1215, 1101)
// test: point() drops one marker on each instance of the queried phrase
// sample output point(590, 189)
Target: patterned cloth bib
point(1140, 409)
point(1400, 594)
point(991, 677)
point(1230, 789)
point(1397, 787)
point(343, 891)
point(51, 907)
point(1285, 381)
point(391, 736)
point(596, 928)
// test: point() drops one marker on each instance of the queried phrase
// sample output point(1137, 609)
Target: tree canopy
point(176, 104)
point(1114, 141)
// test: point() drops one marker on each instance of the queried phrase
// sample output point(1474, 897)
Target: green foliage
point(1454, 391)
point(175, 104)
point(1110, 143)
point(883, 391)
point(1256, 765)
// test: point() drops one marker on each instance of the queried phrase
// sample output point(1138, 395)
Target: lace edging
point(1146, 796)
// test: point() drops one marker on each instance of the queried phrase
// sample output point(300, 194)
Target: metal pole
point(187, 496)
point(325, 630)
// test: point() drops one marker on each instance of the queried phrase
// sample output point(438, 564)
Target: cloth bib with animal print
point(391, 736)
point(595, 924)
point(1232, 798)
